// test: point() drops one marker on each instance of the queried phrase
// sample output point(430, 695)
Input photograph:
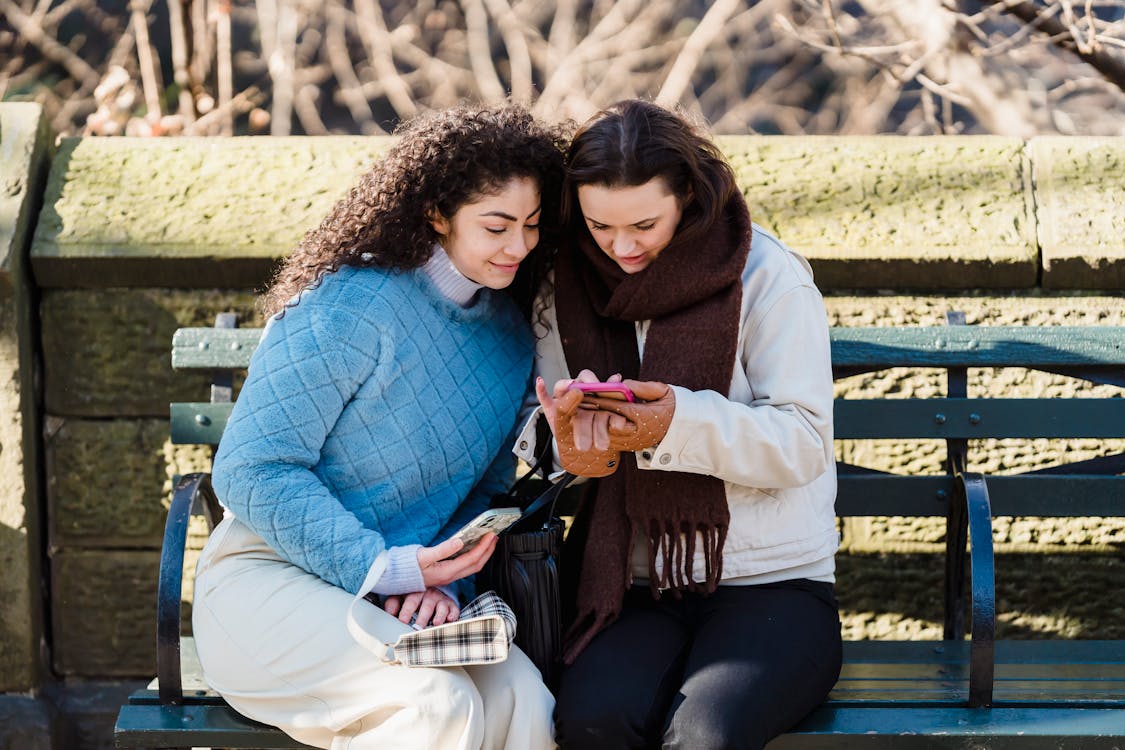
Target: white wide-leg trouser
point(273, 641)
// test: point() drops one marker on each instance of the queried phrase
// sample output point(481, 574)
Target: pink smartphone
point(611, 390)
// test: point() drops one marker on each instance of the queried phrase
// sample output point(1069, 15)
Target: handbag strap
point(549, 497)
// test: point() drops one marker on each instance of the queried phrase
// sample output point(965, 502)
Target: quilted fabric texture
point(589, 463)
point(376, 413)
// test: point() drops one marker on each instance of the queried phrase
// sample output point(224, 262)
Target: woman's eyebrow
point(592, 220)
point(509, 217)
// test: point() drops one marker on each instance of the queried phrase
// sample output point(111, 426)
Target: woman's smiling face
point(631, 224)
point(487, 237)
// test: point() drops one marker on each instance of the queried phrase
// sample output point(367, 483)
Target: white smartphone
point(494, 520)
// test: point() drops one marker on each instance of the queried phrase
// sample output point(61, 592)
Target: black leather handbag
point(524, 569)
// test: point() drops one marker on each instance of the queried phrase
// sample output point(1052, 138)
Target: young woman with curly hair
point(704, 615)
point(375, 421)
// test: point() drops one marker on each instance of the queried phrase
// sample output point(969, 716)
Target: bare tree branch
point(350, 90)
point(480, 50)
point(223, 65)
point(679, 78)
point(1109, 65)
point(139, 8)
point(519, 57)
point(373, 32)
point(51, 49)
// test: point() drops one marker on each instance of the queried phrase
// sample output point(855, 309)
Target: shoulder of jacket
point(771, 257)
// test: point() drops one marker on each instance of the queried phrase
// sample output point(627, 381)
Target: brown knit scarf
point(692, 294)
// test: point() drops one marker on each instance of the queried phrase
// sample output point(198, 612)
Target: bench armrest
point(192, 495)
point(982, 650)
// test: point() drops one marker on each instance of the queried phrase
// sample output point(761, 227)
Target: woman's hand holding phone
point(649, 416)
point(439, 567)
point(581, 432)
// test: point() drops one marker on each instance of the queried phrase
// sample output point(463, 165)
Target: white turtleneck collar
point(455, 285)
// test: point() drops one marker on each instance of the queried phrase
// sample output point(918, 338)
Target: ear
point(438, 222)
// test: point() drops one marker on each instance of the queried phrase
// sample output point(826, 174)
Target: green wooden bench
point(891, 694)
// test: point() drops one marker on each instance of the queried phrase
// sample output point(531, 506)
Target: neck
point(450, 282)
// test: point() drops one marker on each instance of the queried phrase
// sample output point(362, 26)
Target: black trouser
point(730, 670)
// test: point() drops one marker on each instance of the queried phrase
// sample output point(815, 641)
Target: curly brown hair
point(442, 160)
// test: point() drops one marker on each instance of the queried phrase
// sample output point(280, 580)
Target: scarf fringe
point(675, 544)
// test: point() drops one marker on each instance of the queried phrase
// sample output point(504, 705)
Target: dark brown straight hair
point(634, 141)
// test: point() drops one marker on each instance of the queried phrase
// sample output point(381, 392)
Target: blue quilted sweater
point(376, 413)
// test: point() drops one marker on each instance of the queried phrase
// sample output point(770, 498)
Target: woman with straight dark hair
point(704, 614)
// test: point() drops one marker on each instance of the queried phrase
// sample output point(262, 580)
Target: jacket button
point(666, 459)
point(523, 445)
point(646, 455)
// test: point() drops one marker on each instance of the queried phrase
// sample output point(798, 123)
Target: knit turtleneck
point(455, 285)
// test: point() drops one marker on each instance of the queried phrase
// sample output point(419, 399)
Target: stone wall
point(139, 237)
point(24, 147)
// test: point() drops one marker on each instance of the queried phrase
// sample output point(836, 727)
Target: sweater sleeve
point(308, 366)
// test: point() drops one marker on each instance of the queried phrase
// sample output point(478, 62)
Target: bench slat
point(213, 348)
point(952, 346)
point(141, 725)
point(1052, 495)
point(855, 419)
point(980, 346)
point(910, 727)
point(198, 423)
point(951, 418)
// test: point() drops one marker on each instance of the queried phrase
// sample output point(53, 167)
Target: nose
point(623, 244)
point(519, 248)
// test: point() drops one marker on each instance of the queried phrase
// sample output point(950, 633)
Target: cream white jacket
point(770, 441)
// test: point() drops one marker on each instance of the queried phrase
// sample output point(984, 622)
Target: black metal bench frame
point(949, 697)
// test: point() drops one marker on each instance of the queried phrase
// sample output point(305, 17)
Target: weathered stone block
point(185, 211)
point(107, 353)
point(103, 606)
point(109, 482)
point(24, 150)
point(26, 724)
point(896, 212)
point(1081, 217)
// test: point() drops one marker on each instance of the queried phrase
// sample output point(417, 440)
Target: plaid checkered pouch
point(482, 635)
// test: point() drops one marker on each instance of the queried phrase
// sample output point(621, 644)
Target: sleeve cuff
point(665, 454)
point(403, 575)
